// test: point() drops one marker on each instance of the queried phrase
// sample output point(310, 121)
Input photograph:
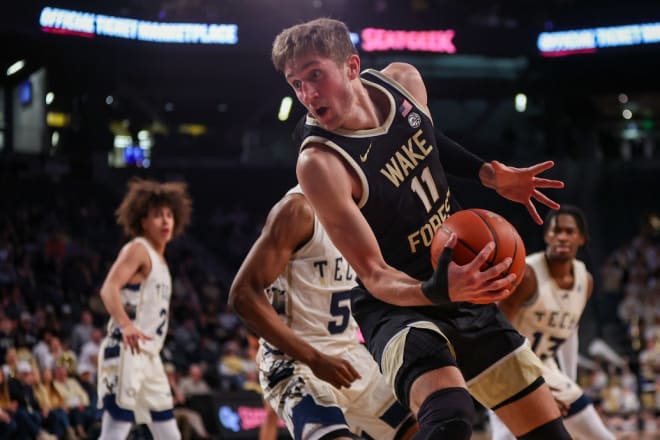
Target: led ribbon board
point(556, 44)
point(441, 41)
point(87, 24)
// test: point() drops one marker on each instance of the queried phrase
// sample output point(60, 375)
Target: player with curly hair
point(132, 384)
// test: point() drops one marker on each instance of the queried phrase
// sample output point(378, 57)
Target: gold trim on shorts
point(392, 358)
point(506, 377)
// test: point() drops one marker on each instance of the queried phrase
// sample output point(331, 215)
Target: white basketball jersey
point(148, 303)
point(312, 294)
point(553, 314)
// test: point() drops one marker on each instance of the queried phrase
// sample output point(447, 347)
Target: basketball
point(474, 229)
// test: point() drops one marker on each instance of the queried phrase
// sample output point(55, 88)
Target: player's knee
point(447, 413)
point(552, 430)
point(425, 350)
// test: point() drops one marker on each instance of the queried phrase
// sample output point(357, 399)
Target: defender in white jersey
point(546, 309)
point(293, 289)
point(132, 385)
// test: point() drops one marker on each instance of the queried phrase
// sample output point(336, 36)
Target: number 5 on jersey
point(340, 307)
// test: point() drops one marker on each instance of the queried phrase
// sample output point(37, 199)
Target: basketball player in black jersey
point(370, 165)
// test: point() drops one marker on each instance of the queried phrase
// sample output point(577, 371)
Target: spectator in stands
point(10, 361)
point(26, 336)
point(51, 402)
point(75, 398)
point(51, 320)
point(41, 350)
point(187, 337)
point(89, 352)
point(7, 409)
point(228, 321)
point(82, 331)
point(649, 358)
point(7, 334)
point(652, 309)
point(91, 417)
point(208, 350)
point(628, 378)
point(210, 289)
point(629, 401)
point(28, 412)
point(194, 384)
point(188, 419)
point(55, 351)
point(232, 367)
point(650, 425)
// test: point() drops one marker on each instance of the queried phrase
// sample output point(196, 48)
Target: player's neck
point(369, 109)
point(380, 103)
point(560, 270)
point(158, 246)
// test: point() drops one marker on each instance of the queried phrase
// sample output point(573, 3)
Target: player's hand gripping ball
point(474, 229)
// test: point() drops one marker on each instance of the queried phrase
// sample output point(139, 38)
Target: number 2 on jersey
point(340, 307)
point(417, 187)
point(159, 329)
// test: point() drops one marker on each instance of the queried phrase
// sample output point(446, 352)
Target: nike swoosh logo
point(363, 157)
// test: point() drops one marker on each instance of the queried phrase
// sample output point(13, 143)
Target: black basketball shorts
point(495, 360)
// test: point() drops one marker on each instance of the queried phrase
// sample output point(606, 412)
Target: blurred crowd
point(55, 252)
point(54, 255)
point(626, 383)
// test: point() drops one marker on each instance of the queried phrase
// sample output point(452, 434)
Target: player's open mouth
point(321, 111)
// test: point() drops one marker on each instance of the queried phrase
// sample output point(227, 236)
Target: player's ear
point(353, 66)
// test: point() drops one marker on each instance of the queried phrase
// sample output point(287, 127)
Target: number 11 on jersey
point(424, 193)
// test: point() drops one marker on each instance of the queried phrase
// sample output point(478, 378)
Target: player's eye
point(296, 84)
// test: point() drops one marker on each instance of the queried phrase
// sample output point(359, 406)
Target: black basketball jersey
point(405, 196)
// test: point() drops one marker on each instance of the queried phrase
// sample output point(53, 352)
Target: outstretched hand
point(521, 184)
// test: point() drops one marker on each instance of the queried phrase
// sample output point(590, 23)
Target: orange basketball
point(474, 229)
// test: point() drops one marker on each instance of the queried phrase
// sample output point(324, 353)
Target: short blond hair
point(324, 36)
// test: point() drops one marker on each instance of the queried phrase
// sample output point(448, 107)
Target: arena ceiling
point(231, 86)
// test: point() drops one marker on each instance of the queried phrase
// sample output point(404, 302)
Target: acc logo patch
point(414, 119)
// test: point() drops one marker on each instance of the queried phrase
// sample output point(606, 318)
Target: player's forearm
point(397, 288)
point(258, 315)
point(456, 160)
point(112, 301)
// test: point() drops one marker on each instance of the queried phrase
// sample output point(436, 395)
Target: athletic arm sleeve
point(456, 160)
